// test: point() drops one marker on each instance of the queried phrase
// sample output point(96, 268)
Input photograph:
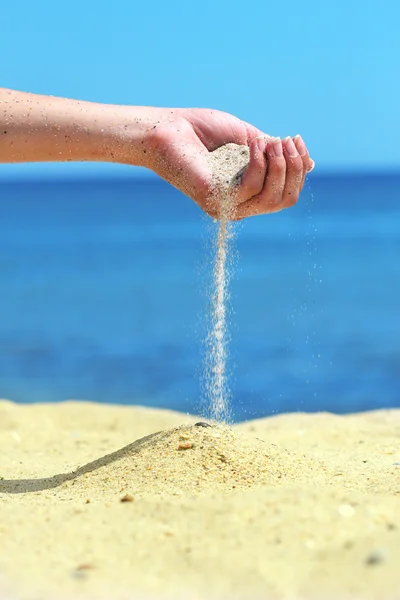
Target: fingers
point(271, 196)
point(288, 163)
point(253, 178)
point(308, 164)
point(294, 173)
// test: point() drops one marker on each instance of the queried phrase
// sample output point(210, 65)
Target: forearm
point(36, 128)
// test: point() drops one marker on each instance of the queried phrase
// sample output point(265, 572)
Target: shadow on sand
point(20, 486)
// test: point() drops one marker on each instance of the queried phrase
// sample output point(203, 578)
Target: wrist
point(124, 134)
point(46, 128)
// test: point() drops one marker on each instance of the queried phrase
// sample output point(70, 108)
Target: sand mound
point(304, 507)
point(184, 461)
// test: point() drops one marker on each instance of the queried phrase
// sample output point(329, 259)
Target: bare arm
point(36, 128)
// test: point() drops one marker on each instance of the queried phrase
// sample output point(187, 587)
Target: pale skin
point(172, 142)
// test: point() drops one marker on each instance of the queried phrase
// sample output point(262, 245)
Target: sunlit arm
point(35, 128)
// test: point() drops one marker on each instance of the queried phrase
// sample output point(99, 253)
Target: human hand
point(178, 143)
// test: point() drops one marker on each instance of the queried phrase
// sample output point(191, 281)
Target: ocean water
point(106, 285)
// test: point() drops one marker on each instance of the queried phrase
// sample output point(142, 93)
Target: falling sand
point(227, 164)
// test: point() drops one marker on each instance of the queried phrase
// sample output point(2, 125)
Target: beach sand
point(291, 507)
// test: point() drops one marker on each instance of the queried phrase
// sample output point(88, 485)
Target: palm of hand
point(180, 144)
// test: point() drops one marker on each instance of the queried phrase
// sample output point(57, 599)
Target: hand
point(178, 144)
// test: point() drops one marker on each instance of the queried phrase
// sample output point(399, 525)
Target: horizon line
point(24, 173)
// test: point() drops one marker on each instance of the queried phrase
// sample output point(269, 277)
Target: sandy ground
point(291, 507)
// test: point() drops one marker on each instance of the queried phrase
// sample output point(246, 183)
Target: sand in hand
point(296, 506)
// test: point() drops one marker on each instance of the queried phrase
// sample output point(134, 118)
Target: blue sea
point(106, 284)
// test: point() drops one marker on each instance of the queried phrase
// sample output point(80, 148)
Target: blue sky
point(328, 70)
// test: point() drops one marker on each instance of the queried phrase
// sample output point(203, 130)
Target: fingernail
point(300, 145)
point(277, 146)
point(290, 147)
point(311, 166)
